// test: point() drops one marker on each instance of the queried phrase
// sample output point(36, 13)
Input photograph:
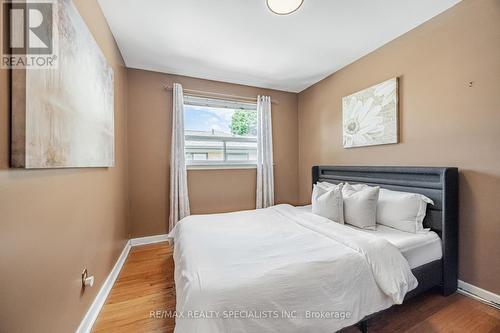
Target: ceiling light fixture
point(284, 7)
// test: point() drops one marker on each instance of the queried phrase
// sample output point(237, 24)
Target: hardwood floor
point(146, 285)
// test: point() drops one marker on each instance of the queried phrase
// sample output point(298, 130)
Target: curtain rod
point(200, 93)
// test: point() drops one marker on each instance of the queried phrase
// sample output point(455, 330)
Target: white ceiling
point(241, 41)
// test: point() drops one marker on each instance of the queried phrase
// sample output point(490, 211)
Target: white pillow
point(327, 185)
point(360, 206)
point(402, 210)
point(327, 202)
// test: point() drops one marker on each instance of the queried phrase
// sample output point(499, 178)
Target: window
point(219, 132)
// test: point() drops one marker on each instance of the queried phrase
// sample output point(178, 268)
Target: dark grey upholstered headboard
point(439, 184)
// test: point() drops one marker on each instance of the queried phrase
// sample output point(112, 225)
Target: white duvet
point(281, 269)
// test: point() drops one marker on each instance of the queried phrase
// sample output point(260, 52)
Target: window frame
point(193, 100)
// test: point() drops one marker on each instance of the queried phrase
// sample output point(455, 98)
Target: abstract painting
point(370, 116)
point(63, 117)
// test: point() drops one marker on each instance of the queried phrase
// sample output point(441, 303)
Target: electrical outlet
point(87, 281)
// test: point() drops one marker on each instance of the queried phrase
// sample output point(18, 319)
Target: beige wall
point(55, 222)
point(149, 130)
point(443, 121)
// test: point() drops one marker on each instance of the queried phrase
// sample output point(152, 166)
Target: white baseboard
point(91, 315)
point(96, 306)
point(149, 240)
point(480, 294)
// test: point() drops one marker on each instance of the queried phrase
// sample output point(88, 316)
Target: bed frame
point(440, 185)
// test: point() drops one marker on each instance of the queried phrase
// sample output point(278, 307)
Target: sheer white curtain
point(265, 177)
point(179, 200)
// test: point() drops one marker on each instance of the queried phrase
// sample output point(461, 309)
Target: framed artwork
point(370, 116)
point(63, 117)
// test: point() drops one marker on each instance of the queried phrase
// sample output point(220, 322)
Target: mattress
point(419, 249)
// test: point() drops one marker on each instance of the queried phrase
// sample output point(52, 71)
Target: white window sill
point(221, 166)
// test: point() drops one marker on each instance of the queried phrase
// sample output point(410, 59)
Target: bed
point(418, 249)
point(284, 269)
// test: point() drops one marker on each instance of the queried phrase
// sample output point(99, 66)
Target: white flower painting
point(370, 116)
